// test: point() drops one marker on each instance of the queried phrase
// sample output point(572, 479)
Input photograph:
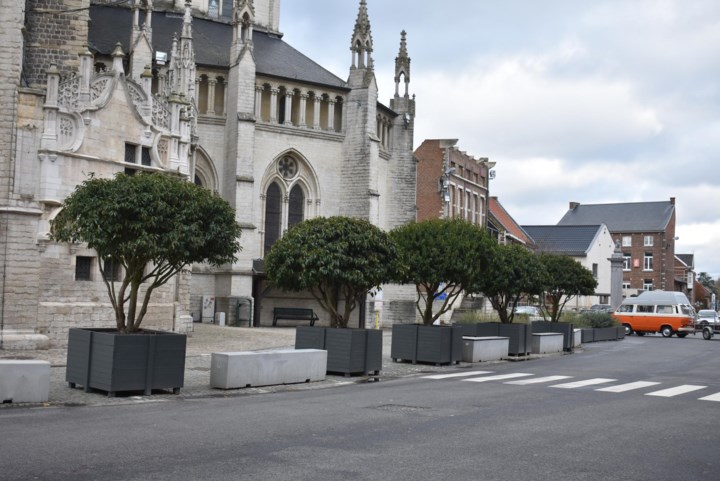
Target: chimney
point(672, 200)
point(574, 205)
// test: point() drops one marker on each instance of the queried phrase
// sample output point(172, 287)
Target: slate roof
point(502, 217)
point(687, 259)
point(273, 56)
point(628, 217)
point(571, 240)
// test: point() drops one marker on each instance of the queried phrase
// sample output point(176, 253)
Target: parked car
point(530, 311)
point(601, 308)
point(707, 317)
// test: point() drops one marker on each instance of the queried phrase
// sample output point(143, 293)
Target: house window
point(626, 285)
point(626, 262)
point(648, 284)
point(111, 271)
point(83, 268)
point(648, 241)
point(627, 241)
point(595, 270)
point(648, 261)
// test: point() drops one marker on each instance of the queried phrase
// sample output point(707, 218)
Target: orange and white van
point(666, 312)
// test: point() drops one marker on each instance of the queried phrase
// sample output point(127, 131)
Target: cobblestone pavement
point(204, 340)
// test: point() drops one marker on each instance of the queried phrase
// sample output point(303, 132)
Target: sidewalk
point(206, 339)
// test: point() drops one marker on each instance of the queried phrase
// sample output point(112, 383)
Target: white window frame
point(627, 262)
point(648, 262)
point(627, 241)
point(648, 241)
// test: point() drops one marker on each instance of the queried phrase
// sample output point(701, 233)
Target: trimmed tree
point(153, 225)
point(565, 279)
point(336, 259)
point(440, 257)
point(513, 271)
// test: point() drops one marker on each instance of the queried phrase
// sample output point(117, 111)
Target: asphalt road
point(468, 427)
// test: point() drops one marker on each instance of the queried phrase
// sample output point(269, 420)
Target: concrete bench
point(231, 370)
point(547, 342)
point(487, 348)
point(24, 381)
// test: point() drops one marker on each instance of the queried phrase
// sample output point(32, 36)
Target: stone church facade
point(210, 91)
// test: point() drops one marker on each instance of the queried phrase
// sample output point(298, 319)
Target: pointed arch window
point(296, 206)
point(273, 215)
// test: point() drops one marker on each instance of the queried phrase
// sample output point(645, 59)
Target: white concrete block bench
point(230, 370)
point(547, 342)
point(486, 348)
point(24, 381)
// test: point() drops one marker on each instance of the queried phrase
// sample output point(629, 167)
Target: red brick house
point(646, 234)
point(451, 183)
point(504, 228)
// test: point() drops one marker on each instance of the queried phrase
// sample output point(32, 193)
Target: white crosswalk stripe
point(676, 391)
point(531, 379)
point(498, 377)
point(457, 374)
point(628, 387)
point(714, 397)
point(587, 382)
point(538, 380)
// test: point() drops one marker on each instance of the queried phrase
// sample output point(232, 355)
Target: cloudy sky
point(594, 101)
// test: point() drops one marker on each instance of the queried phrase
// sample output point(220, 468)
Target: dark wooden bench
point(294, 314)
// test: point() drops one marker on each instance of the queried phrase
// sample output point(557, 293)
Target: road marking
point(676, 391)
point(628, 387)
point(457, 374)
point(537, 380)
point(714, 397)
point(588, 382)
point(499, 377)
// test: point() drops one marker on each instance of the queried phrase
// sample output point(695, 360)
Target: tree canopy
point(565, 278)
point(335, 259)
point(153, 225)
point(513, 271)
point(440, 257)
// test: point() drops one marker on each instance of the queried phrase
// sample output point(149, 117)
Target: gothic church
point(210, 90)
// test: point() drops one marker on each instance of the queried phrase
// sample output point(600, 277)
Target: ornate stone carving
point(160, 112)
point(68, 92)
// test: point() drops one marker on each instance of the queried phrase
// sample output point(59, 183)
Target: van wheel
point(707, 334)
point(628, 329)
point(666, 331)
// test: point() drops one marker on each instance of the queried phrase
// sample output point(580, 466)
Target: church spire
point(243, 20)
point(402, 66)
point(362, 43)
point(185, 57)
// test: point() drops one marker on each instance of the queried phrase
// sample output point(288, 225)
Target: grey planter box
point(429, 344)
point(519, 335)
point(110, 361)
point(613, 333)
point(349, 351)
point(565, 328)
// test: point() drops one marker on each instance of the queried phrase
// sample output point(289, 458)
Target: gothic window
point(83, 268)
point(273, 215)
point(296, 206)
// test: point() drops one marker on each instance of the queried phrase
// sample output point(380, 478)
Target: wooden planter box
point(429, 344)
point(519, 335)
point(349, 351)
point(565, 328)
point(114, 362)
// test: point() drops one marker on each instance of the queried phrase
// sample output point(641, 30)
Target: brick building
point(209, 90)
point(451, 183)
point(645, 232)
